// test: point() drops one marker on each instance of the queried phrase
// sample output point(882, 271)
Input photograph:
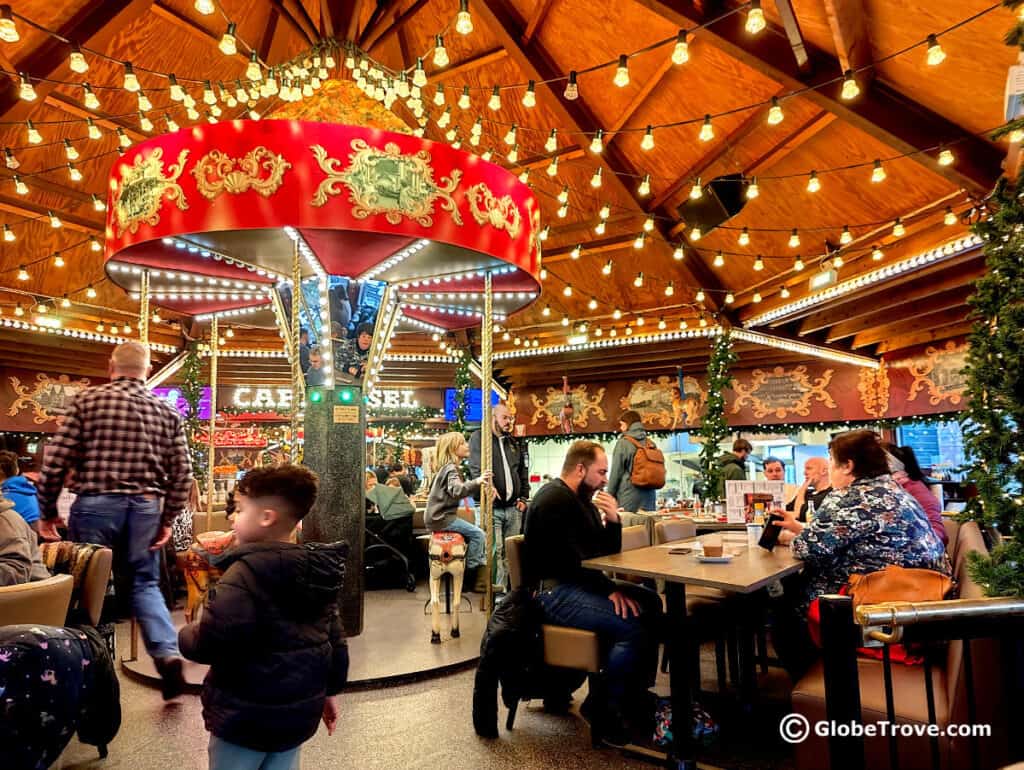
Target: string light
point(55, 222)
point(19, 186)
point(90, 292)
point(440, 53)
point(172, 125)
point(563, 195)
point(576, 252)
point(19, 310)
point(565, 320)
point(144, 104)
point(798, 264)
point(784, 292)
point(58, 260)
point(617, 314)
point(546, 311)
point(97, 203)
point(730, 298)
point(94, 244)
point(677, 253)
point(9, 235)
point(205, 7)
point(644, 189)
point(696, 191)
point(595, 180)
point(837, 261)
point(878, 172)
point(227, 44)
point(877, 254)
point(935, 55)
point(253, 71)
point(621, 78)
point(122, 138)
point(755, 18)
point(719, 259)
point(606, 270)
point(34, 137)
point(26, 92)
point(707, 131)
point(757, 297)
point(639, 280)
point(74, 174)
point(946, 157)
point(847, 236)
point(567, 291)
point(649, 224)
point(759, 263)
point(23, 274)
point(898, 230)
point(744, 237)
point(494, 103)
point(552, 143)
point(950, 217)
point(670, 289)
point(145, 123)
point(131, 83)
point(647, 143)
point(572, 89)
point(90, 99)
point(69, 151)
point(552, 168)
point(8, 29)
point(813, 185)
point(681, 51)
point(177, 93)
point(794, 239)
point(10, 160)
point(850, 88)
point(464, 100)
point(641, 241)
point(65, 302)
point(752, 189)
point(463, 21)
point(93, 130)
point(597, 143)
point(775, 115)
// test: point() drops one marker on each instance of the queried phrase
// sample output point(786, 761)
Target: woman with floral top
point(865, 524)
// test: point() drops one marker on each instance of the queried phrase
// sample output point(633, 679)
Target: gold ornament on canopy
point(341, 101)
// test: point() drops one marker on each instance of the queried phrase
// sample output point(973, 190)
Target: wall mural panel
point(33, 400)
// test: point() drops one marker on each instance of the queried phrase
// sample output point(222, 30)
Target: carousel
point(339, 237)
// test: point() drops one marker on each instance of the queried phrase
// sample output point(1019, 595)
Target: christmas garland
point(462, 385)
point(994, 416)
point(416, 414)
point(192, 392)
point(714, 427)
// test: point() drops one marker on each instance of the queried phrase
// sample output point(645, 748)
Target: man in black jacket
point(511, 481)
point(572, 519)
point(271, 632)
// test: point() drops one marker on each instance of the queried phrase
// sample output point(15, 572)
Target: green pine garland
point(192, 392)
point(994, 417)
point(714, 426)
point(462, 385)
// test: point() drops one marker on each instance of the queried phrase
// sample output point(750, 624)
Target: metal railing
point(926, 627)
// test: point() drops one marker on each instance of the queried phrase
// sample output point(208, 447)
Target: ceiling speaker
point(724, 197)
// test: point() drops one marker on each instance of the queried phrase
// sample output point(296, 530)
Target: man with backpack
point(637, 469)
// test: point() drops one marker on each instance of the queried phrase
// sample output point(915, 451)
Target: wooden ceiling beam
point(503, 21)
point(95, 26)
point(174, 17)
point(69, 106)
point(791, 25)
point(540, 10)
point(848, 21)
point(467, 65)
point(295, 14)
point(906, 310)
point(563, 254)
point(909, 326)
point(853, 306)
point(913, 339)
point(26, 208)
point(339, 18)
point(639, 98)
point(810, 128)
point(404, 18)
point(39, 184)
point(881, 112)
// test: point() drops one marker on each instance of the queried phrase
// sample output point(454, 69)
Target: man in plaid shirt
point(126, 452)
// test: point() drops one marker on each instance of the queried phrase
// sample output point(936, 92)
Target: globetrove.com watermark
point(796, 728)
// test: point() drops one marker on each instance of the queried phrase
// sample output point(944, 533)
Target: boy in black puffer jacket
point(271, 631)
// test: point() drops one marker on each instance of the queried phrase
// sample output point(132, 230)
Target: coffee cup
point(713, 546)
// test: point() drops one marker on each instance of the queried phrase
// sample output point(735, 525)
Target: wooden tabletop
point(749, 570)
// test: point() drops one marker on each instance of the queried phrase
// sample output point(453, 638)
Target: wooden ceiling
point(905, 112)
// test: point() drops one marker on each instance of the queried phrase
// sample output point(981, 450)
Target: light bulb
point(719, 259)
point(837, 262)
point(639, 280)
point(90, 100)
point(192, 113)
point(487, 154)
point(209, 97)
point(755, 18)
point(122, 138)
point(19, 186)
point(8, 29)
point(494, 103)
point(9, 235)
point(572, 90)
point(850, 88)
point(617, 314)
point(757, 297)
point(65, 302)
point(563, 211)
point(877, 254)
point(598, 331)
point(647, 143)
point(649, 224)
point(661, 323)
point(565, 320)
point(524, 175)
point(641, 241)
point(74, 173)
point(563, 194)
point(935, 55)
point(670, 289)
point(759, 263)
point(794, 239)
point(34, 137)
point(553, 167)
point(69, 151)
point(696, 233)
point(707, 131)
point(444, 119)
point(798, 264)
point(613, 332)
point(621, 78)
point(784, 292)
point(530, 95)
point(678, 254)
point(847, 236)
point(597, 143)
point(11, 161)
point(813, 185)
point(463, 21)
point(878, 172)
point(439, 96)
point(576, 252)
point(177, 93)
point(595, 180)
point(606, 270)
point(440, 53)
point(172, 125)
point(898, 230)
point(1017, 136)
point(730, 298)
point(775, 115)
point(205, 7)
point(645, 186)
point(93, 130)
point(97, 203)
point(19, 310)
point(227, 43)
point(23, 274)
point(744, 237)
point(58, 260)
point(55, 222)
point(567, 291)
point(696, 191)
point(253, 71)
point(546, 311)
point(946, 157)
point(94, 244)
point(145, 123)
point(950, 217)
point(681, 51)
point(131, 83)
point(464, 100)
point(552, 142)
point(90, 292)
point(510, 136)
point(26, 92)
point(629, 330)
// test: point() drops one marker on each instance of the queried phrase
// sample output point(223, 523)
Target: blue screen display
point(474, 404)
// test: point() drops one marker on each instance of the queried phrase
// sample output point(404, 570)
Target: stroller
point(384, 563)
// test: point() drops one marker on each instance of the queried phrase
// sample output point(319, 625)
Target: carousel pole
point(144, 309)
point(486, 445)
point(296, 329)
point(214, 345)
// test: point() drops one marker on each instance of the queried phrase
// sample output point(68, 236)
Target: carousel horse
point(447, 555)
point(198, 569)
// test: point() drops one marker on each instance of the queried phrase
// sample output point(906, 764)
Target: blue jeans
point(231, 756)
point(475, 541)
point(507, 522)
point(129, 524)
point(631, 643)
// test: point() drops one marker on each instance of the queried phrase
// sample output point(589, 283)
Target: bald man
point(814, 489)
point(132, 474)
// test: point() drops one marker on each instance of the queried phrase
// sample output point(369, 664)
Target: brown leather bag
point(899, 584)
point(648, 465)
